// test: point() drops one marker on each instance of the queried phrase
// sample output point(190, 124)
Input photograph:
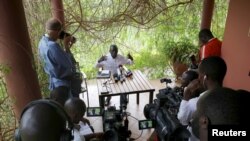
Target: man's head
point(187, 77)
point(205, 35)
point(221, 106)
point(54, 28)
point(44, 120)
point(75, 108)
point(212, 71)
point(113, 51)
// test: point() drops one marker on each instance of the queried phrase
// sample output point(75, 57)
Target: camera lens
point(61, 35)
point(73, 39)
point(65, 34)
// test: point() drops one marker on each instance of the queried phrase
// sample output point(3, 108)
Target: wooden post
point(207, 14)
point(15, 52)
point(57, 10)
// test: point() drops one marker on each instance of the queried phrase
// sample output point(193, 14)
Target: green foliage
point(7, 117)
point(92, 24)
point(4, 69)
point(151, 62)
point(37, 13)
point(97, 24)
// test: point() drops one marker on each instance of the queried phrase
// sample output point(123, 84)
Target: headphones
point(67, 134)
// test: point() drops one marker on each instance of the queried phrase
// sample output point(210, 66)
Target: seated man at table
point(112, 61)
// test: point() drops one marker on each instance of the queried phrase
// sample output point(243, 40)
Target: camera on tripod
point(165, 80)
point(163, 111)
point(115, 122)
point(115, 125)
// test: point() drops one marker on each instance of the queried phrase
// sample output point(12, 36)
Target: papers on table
point(103, 74)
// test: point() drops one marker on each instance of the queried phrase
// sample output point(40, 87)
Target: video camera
point(115, 126)
point(64, 34)
point(169, 97)
point(165, 80)
point(163, 111)
point(115, 122)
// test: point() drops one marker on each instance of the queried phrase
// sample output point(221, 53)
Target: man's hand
point(67, 43)
point(85, 121)
point(77, 126)
point(103, 58)
point(191, 89)
point(130, 57)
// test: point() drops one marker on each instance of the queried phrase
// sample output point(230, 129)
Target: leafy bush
point(152, 62)
point(7, 116)
point(179, 51)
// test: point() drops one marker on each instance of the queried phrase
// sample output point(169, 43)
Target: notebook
point(103, 74)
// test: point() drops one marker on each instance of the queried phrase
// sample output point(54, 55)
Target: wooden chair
point(85, 87)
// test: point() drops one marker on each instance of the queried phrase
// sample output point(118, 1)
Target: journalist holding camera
point(58, 62)
point(163, 113)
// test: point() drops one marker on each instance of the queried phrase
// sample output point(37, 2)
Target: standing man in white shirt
point(212, 71)
point(112, 61)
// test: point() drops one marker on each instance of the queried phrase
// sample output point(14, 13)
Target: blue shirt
point(57, 63)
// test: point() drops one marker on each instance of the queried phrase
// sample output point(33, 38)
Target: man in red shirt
point(210, 46)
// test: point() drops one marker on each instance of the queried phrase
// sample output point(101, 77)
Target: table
point(137, 84)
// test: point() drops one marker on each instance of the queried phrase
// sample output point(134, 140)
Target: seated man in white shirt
point(76, 109)
point(112, 61)
point(211, 71)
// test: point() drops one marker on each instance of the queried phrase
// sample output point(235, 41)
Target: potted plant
point(178, 55)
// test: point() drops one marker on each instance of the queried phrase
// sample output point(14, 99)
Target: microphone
point(116, 77)
point(120, 73)
point(127, 72)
